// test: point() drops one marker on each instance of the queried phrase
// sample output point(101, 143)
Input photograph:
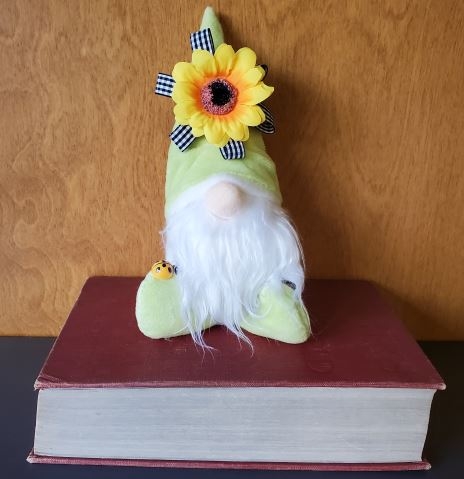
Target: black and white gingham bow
point(182, 134)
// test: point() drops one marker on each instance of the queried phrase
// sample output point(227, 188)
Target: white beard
point(222, 265)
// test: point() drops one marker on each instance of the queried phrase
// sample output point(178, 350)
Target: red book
point(360, 370)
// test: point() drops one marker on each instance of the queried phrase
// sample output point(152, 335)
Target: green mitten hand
point(157, 308)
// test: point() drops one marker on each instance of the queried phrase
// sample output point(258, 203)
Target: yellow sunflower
point(218, 95)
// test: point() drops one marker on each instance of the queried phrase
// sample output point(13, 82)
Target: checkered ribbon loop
point(267, 126)
point(182, 136)
point(202, 40)
point(233, 150)
point(164, 84)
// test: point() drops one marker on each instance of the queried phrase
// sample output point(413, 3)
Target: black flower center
point(220, 92)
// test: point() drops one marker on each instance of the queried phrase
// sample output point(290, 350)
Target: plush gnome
point(233, 257)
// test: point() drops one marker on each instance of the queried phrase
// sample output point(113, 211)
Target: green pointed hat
point(202, 159)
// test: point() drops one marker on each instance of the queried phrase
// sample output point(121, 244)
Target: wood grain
point(369, 102)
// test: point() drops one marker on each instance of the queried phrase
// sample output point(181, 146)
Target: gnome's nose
point(224, 200)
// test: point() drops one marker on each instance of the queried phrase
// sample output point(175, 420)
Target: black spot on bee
point(158, 269)
point(169, 269)
point(164, 265)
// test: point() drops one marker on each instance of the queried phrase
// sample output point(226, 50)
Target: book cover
point(357, 341)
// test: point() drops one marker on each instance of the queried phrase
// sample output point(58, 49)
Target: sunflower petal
point(184, 91)
point(250, 115)
point(246, 133)
point(250, 78)
point(196, 132)
point(204, 62)
point(198, 119)
point(235, 129)
point(186, 72)
point(215, 133)
point(184, 111)
point(245, 59)
point(256, 94)
point(224, 56)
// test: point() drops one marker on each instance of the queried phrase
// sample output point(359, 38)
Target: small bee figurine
point(163, 270)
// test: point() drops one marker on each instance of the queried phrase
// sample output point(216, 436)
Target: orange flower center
point(218, 97)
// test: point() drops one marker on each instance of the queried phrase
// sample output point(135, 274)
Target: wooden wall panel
point(369, 102)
